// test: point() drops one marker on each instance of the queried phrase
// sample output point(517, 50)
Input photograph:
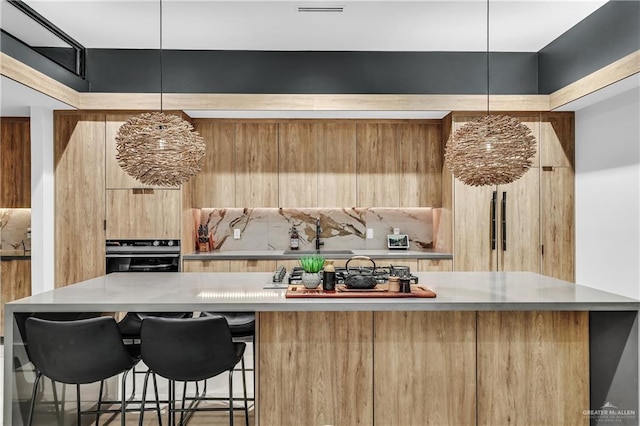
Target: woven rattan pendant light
point(159, 149)
point(490, 150)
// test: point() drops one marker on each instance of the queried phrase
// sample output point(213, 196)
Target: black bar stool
point(243, 329)
point(78, 352)
point(189, 350)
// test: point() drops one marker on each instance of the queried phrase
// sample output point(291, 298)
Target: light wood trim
point(15, 162)
point(533, 368)
point(24, 74)
point(79, 161)
point(616, 71)
point(443, 218)
point(316, 368)
point(143, 213)
point(336, 144)
point(205, 266)
point(435, 265)
point(120, 101)
point(256, 165)
point(16, 283)
point(215, 184)
point(298, 165)
point(424, 368)
point(557, 199)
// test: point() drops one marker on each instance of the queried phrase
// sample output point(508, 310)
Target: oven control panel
point(143, 243)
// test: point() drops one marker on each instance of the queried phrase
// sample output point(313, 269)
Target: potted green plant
point(312, 266)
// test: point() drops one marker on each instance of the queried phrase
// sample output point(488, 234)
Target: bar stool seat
point(78, 352)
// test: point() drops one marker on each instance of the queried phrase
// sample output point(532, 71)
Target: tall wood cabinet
point(15, 162)
point(16, 283)
point(525, 225)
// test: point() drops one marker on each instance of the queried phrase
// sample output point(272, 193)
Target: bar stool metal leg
point(244, 390)
point(231, 397)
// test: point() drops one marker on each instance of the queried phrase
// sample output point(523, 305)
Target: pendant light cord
point(487, 57)
point(161, 55)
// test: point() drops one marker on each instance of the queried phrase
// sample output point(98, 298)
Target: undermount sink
point(320, 252)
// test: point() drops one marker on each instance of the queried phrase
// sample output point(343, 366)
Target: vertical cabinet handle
point(493, 220)
point(504, 221)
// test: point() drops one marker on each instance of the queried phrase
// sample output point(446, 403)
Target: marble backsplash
point(14, 224)
point(342, 228)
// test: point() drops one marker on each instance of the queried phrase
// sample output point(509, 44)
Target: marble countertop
point(280, 254)
point(197, 291)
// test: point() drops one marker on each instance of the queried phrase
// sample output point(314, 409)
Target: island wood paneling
point(336, 144)
point(424, 368)
point(378, 180)
point(16, 283)
point(533, 368)
point(256, 165)
point(15, 162)
point(298, 165)
point(557, 139)
point(557, 201)
point(79, 161)
point(215, 184)
point(420, 164)
point(522, 251)
point(315, 368)
point(143, 213)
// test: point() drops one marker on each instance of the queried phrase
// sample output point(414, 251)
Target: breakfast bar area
point(491, 348)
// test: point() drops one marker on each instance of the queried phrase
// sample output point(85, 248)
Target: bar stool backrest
point(189, 349)
point(78, 351)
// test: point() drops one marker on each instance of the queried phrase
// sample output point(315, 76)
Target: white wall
point(42, 201)
point(608, 194)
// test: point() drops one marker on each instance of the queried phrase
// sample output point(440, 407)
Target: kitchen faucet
point(318, 230)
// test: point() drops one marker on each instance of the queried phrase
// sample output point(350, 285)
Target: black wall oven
point(143, 256)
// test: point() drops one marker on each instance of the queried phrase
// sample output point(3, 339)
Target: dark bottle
point(329, 277)
point(405, 285)
point(294, 242)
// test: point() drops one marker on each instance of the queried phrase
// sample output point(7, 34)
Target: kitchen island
point(492, 348)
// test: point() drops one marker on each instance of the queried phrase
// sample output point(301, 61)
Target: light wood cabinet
point(256, 165)
point(435, 265)
point(16, 283)
point(298, 165)
point(143, 213)
point(420, 165)
point(378, 180)
point(79, 161)
point(533, 368)
point(336, 143)
point(425, 374)
point(205, 266)
point(249, 265)
point(215, 184)
point(15, 162)
point(315, 368)
point(557, 139)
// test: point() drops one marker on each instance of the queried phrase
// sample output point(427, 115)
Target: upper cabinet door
point(15, 163)
point(215, 184)
point(257, 165)
point(557, 139)
point(377, 165)
point(117, 178)
point(298, 159)
point(336, 144)
point(420, 164)
point(143, 214)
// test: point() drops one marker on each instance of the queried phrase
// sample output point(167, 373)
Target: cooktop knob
point(170, 243)
point(156, 243)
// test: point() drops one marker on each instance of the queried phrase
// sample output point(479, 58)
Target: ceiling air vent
point(320, 8)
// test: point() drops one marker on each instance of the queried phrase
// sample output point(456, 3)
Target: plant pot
point(311, 279)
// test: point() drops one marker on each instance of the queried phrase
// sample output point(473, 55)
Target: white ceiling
point(515, 25)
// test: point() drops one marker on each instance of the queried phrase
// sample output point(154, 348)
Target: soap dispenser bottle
point(294, 242)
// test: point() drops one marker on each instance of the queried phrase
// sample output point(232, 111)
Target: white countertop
point(194, 291)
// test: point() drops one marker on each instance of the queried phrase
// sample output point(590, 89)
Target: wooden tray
point(380, 291)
